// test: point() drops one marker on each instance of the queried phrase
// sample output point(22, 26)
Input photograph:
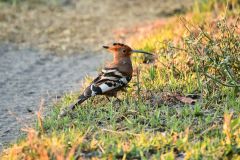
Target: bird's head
point(122, 50)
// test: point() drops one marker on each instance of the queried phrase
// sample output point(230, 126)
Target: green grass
point(151, 123)
point(19, 2)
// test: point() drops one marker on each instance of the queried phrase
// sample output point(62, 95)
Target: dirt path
point(28, 74)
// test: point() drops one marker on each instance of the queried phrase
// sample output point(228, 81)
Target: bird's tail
point(71, 107)
point(80, 100)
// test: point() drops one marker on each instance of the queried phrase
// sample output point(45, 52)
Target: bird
point(112, 78)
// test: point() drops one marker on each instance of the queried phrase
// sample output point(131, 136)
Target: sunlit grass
point(150, 123)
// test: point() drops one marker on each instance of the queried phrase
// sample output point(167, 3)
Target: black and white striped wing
point(110, 79)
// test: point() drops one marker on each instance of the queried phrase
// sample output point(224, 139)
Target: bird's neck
point(122, 60)
point(124, 64)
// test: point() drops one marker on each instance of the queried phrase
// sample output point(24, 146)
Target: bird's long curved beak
point(139, 51)
point(106, 47)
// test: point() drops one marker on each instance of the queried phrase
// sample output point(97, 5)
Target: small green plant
point(214, 5)
point(152, 73)
point(44, 2)
point(217, 53)
point(13, 2)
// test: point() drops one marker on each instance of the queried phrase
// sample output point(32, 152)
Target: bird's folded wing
point(109, 79)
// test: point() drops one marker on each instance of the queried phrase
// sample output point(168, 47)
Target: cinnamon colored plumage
point(113, 78)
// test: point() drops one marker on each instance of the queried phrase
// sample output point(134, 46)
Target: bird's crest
point(125, 49)
point(120, 44)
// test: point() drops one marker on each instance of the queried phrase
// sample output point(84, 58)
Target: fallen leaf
point(186, 100)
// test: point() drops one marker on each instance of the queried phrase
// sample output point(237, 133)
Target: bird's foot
point(63, 113)
point(117, 102)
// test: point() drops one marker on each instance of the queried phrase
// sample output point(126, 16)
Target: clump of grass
point(10, 1)
point(101, 142)
point(19, 2)
point(217, 53)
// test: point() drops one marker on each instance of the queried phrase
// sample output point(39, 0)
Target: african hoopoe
point(113, 78)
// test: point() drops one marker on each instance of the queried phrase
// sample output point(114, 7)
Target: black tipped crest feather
point(120, 44)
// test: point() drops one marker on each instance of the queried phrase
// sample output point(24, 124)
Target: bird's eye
point(124, 51)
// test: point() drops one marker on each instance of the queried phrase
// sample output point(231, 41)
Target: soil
point(45, 51)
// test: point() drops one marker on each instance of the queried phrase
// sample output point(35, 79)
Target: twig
point(39, 115)
point(99, 145)
point(19, 120)
point(224, 84)
point(208, 129)
point(118, 132)
point(138, 83)
point(184, 21)
point(225, 14)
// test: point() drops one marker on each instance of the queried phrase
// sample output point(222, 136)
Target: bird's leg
point(65, 111)
point(108, 98)
point(117, 101)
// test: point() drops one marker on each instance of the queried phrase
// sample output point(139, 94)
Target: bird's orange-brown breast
point(123, 65)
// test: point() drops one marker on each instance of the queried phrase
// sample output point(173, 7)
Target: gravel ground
point(27, 76)
point(28, 73)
